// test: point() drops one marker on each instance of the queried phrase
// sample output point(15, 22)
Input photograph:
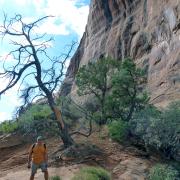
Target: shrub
point(36, 120)
point(142, 120)
point(118, 130)
point(92, 173)
point(85, 176)
point(163, 172)
point(36, 112)
point(8, 126)
point(55, 178)
point(70, 111)
point(159, 129)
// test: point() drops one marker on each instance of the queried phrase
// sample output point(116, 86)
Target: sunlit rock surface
point(148, 31)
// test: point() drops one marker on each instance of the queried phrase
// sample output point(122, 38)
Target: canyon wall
point(146, 30)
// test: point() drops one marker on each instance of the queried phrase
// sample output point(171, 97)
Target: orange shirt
point(38, 153)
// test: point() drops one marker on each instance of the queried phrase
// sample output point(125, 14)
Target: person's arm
point(46, 156)
point(29, 157)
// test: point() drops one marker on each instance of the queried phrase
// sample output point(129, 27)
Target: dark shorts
point(42, 166)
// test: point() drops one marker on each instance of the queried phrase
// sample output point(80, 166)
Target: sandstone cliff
point(146, 30)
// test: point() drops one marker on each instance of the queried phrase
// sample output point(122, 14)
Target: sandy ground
point(124, 162)
point(66, 173)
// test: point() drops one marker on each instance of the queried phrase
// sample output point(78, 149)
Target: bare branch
point(13, 80)
point(26, 93)
point(62, 66)
point(27, 59)
point(88, 117)
point(38, 95)
point(22, 81)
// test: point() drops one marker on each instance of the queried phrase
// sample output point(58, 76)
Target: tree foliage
point(159, 129)
point(116, 86)
point(95, 79)
point(163, 172)
point(127, 94)
point(118, 130)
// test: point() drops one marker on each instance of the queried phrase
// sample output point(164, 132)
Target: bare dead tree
point(32, 68)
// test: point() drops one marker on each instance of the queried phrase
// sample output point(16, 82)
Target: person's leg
point(32, 176)
point(43, 167)
point(46, 176)
point(33, 171)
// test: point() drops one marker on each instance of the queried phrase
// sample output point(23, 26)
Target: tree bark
point(64, 134)
point(103, 112)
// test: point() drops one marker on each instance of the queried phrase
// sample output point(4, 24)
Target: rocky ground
point(123, 161)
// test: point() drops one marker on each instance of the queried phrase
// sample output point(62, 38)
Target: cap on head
point(39, 138)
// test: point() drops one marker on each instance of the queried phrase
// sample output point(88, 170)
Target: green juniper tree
point(116, 86)
point(128, 93)
point(94, 78)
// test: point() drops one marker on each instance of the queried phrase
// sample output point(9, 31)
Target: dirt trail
point(124, 162)
point(13, 163)
point(66, 173)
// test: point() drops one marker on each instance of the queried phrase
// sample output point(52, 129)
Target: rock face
point(146, 30)
point(9, 140)
point(131, 169)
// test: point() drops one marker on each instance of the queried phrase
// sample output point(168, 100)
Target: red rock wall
point(146, 30)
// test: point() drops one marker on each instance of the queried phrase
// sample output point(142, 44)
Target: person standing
point(38, 158)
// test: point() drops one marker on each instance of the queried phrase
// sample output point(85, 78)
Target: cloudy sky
point(67, 25)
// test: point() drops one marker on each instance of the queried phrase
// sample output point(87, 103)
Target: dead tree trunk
point(64, 133)
point(26, 56)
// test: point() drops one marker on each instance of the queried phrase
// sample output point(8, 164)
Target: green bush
point(8, 126)
point(92, 173)
point(142, 120)
point(35, 120)
point(163, 172)
point(85, 176)
point(55, 178)
point(36, 112)
point(70, 111)
point(118, 130)
point(159, 129)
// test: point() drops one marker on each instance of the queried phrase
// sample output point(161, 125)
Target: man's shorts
point(42, 166)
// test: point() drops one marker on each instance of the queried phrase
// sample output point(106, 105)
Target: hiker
point(38, 158)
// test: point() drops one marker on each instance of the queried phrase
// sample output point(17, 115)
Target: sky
point(67, 25)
